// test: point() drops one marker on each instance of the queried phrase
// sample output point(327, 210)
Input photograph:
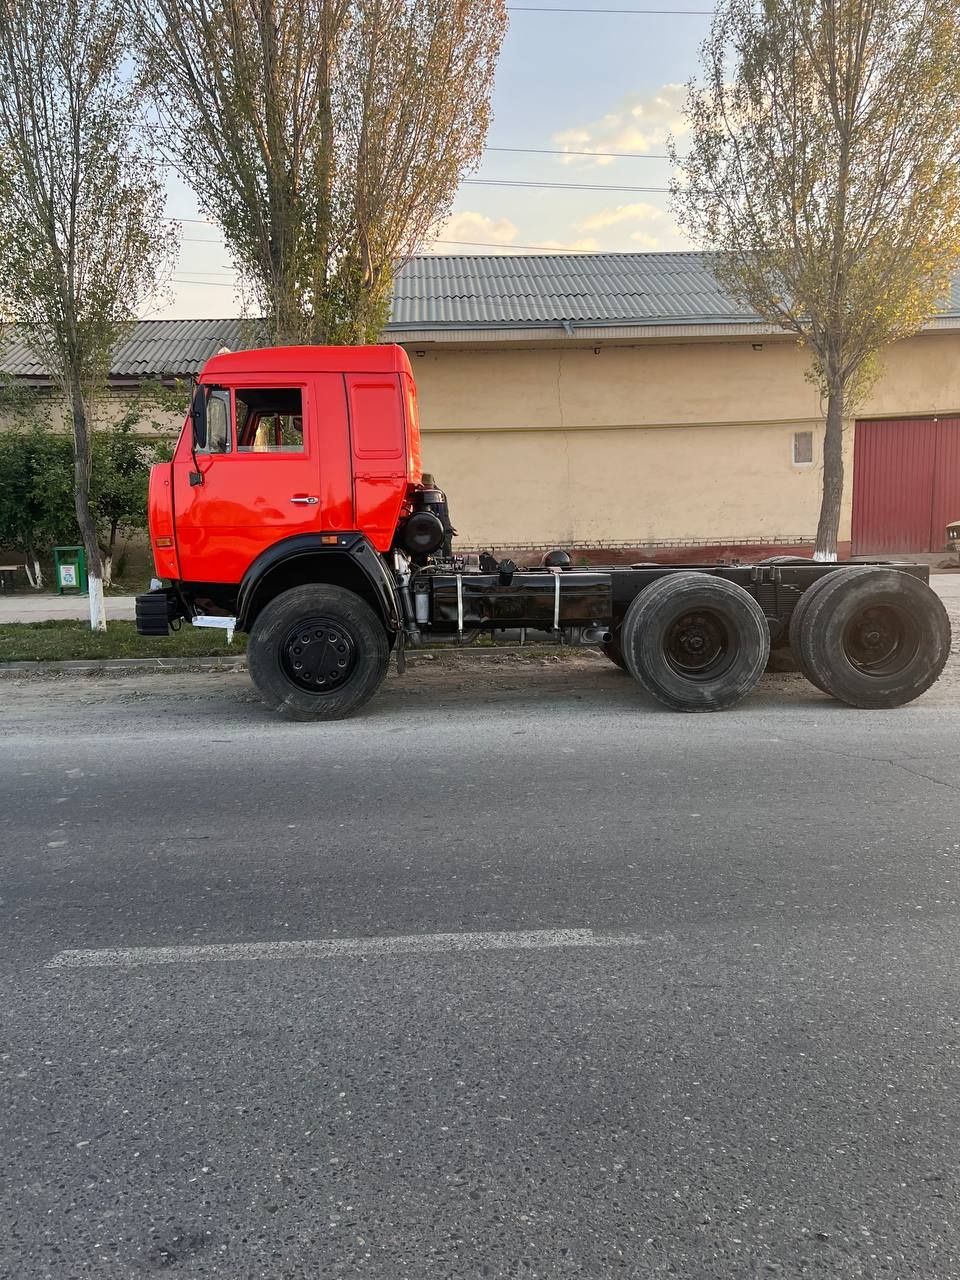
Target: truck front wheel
point(317, 652)
point(696, 642)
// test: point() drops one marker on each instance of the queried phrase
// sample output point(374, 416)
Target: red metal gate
point(906, 484)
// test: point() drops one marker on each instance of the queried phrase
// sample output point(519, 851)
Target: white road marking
point(341, 948)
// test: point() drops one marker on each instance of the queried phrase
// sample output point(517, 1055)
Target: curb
point(146, 666)
point(93, 666)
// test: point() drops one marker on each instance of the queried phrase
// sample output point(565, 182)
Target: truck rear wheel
point(796, 625)
point(872, 637)
point(317, 652)
point(611, 649)
point(695, 642)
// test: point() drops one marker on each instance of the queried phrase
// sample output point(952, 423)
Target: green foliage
point(37, 508)
point(824, 167)
point(82, 235)
point(326, 138)
point(36, 492)
point(122, 458)
point(83, 239)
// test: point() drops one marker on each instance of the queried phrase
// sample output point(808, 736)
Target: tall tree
point(81, 231)
point(824, 166)
point(324, 137)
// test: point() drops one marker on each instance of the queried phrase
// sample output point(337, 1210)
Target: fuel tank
point(529, 599)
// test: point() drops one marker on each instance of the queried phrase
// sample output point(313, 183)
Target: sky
point(572, 81)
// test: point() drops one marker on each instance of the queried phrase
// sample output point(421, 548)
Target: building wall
point(662, 442)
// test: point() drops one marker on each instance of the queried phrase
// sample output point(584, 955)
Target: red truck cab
point(299, 441)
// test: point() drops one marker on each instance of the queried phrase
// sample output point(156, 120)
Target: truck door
point(262, 474)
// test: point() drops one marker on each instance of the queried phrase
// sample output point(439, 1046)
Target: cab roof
point(385, 358)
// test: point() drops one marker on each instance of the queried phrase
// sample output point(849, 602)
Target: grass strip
point(63, 641)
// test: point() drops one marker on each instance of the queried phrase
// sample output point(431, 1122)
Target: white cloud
point(637, 212)
point(639, 123)
point(644, 240)
point(471, 229)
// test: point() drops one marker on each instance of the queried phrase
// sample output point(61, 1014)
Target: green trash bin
point(70, 570)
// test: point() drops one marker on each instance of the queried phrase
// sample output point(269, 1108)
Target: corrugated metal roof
point(595, 288)
point(477, 292)
point(154, 349)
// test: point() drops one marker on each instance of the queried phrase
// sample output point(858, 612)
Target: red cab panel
point(378, 436)
point(284, 470)
point(160, 521)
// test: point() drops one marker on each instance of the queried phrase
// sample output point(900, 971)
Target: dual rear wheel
point(870, 636)
point(695, 642)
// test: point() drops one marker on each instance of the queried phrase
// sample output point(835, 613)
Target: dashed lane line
point(341, 948)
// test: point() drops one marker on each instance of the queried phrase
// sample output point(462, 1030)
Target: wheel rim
point(881, 640)
point(318, 654)
point(698, 645)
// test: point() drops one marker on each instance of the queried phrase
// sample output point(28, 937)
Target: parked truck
point(295, 510)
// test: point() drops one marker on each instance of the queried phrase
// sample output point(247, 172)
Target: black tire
point(872, 637)
point(611, 649)
point(317, 652)
point(695, 642)
point(796, 623)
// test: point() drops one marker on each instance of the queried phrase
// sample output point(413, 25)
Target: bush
point(36, 477)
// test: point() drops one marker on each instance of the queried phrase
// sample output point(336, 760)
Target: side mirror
point(198, 417)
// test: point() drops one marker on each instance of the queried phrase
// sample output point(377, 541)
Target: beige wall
point(625, 485)
point(646, 443)
point(637, 444)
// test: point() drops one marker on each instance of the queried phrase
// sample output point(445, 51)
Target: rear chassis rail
point(777, 588)
point(603, 592)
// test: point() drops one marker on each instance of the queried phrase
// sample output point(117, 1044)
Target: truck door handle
point(305, 500)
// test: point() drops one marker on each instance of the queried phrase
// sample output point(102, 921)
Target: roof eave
point(573, 331)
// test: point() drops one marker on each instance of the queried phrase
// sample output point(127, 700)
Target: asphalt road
point(749, 1066)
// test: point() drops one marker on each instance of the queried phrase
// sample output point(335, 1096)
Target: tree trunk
point(32, 568)
point(82, 457)
point(829, 526)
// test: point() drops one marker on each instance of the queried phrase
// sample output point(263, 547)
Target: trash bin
point(70, 570)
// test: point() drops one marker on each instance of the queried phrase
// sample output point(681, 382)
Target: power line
point(663, 13)
point(558, 186)
point(610, 155)
point(472, 244)
point(539, 151)
point(492, 244)
point(207, 284)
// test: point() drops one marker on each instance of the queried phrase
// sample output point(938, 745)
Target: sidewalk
point(39, 606)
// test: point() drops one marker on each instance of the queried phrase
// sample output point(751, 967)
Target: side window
point(218, 422)
point(269, 421)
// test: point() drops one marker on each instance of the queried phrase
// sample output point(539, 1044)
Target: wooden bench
point(8, 577)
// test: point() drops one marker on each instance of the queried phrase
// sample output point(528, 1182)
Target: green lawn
point(59, 641)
